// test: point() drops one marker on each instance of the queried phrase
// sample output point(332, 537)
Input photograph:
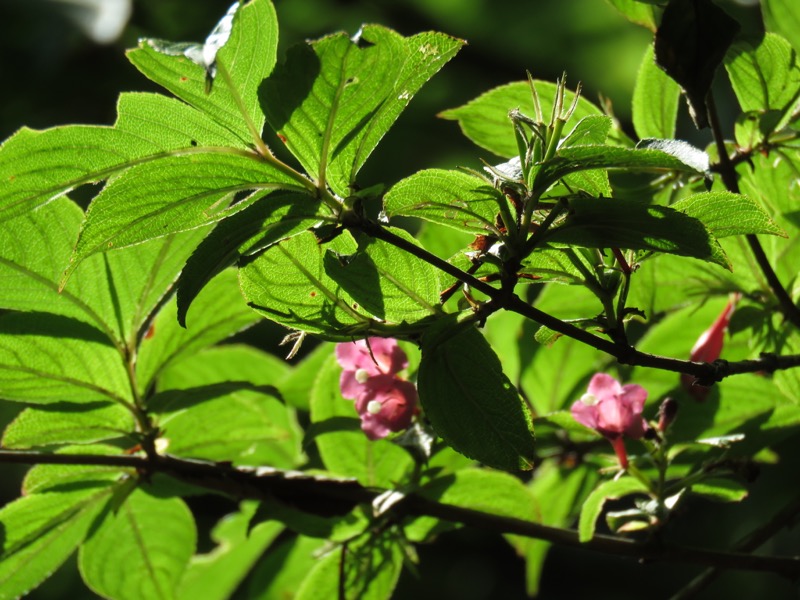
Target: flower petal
point(585, 414)
point(604, 386)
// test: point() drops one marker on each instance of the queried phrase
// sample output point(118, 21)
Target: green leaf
point(282, 570)
point(141, 550)
point(334, 99)
point(470, 402)
point(370, 567)
point(783, 17)
point(582, 158)
point(68, 424)
point(116, 292)
point(637, 12)
point(38, 166)
point(41, 531)
point(724, 214)
point(289, 284)
point(376, 463)
point(176, 193)
point(270, 219)
point(484, 120)
point(392, 285)
point(248, 57)
point(218, 313)
point(220, 364)
point(608, 490)
point(720, 490)
point(765, 77)
point(630, 224)
point(48, 358)
point(227, 422)
point(52, 478)
point(655, 100)
point(452, 198)
point(215, 575)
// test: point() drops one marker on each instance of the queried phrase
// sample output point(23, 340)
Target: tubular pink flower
point(384, 402)
point(708, 348)
point(613, 410)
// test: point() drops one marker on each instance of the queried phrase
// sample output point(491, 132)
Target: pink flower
point(709, 347)
point(384, 401)
point(613, 410)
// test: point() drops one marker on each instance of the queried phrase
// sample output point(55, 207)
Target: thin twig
point(728, 173)
point(706, 373)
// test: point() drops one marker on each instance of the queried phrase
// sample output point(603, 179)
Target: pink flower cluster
point(384, 401)
point(613, 410)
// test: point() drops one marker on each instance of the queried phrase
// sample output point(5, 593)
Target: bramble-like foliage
point(585, 249)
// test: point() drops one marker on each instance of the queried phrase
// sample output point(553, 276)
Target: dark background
point(52, 74)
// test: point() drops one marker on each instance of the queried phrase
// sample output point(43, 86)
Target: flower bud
point(666, 413)
point(708, 348)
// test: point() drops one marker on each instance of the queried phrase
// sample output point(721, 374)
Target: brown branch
point(330, 496)
point(706, 373)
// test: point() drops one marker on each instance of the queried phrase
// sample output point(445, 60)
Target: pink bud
point(708, 348)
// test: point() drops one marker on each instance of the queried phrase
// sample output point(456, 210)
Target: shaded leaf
point(630, 224)
point(690, 44)
point(470, 402)
point(220, 364)
point(175, 193)
point(370, 567)
point(54, 478)
point(282, 570)
point(116, 292)
point(582, 158)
